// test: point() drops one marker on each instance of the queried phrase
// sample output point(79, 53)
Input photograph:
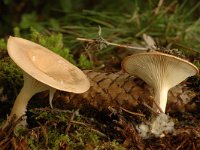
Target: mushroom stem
point(30, 88)
point(51, 95)
point(19, 107)
point(161, 99)
point(42, 70)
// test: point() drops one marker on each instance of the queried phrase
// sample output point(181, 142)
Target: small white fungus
point(158, 127)
point(143, 130)
point(162, 124)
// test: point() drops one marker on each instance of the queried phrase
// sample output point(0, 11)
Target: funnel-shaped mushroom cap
point(159, 70)
point(46, 66)
point(156, 68)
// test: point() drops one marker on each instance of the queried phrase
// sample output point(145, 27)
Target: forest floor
point(98, 119)
point(93, 120)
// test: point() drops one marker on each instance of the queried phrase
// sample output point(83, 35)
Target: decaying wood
point(122, 90)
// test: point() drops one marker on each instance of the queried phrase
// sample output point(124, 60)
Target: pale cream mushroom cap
point(46, 66)
point(159, 70)
point(42, 70)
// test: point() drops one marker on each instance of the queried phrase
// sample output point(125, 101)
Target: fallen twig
point(70, 121)
point(181, 144)
point(151, 109)
point(86, 125)
point(97, 41)
point(132, 113)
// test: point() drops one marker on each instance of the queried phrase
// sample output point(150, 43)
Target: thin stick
point(146, 105)
point(181, 144)
point(158, 106)
point(113, 44)
point(132, 113)
point(70, 121)
point(87, 125)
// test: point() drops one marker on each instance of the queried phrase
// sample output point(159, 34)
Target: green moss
point(51, 133)
point(30, 20)
point(84, 63)
point(2, 44)
point(32, 144)
point(16, 31)
point(10, 78)
point(57, 139)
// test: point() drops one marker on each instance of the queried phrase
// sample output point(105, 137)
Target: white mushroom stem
point(160, 71)
point(43, 70)
point(30, 88)
point(161, 99)
point(51, 95)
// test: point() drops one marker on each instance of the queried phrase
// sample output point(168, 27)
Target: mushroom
point(159, 70)
point(42, 70)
